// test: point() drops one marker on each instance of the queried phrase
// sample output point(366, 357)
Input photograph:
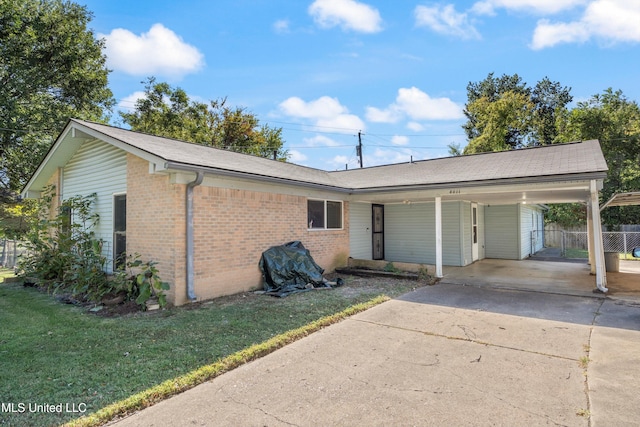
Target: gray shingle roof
point(201, 156)
point(566, 160)
point(548, 161)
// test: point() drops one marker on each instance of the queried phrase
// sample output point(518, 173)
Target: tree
point(503, 113)
point(168, 112)
point(615, 121)
point(550, 101)
point(502, 122)
point(51, 68)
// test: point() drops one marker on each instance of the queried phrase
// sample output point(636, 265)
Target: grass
point(59, 354)
point(5, 272)
point(583, 253)
point(628, 257)
point(576, 253)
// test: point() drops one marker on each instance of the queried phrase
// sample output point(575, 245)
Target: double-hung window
point(324, 214)
point(119, 230)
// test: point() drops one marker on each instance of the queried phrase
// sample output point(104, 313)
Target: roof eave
point(182, 167)
point(502, 181)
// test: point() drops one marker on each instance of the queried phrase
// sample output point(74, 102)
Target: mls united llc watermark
point(49, 408)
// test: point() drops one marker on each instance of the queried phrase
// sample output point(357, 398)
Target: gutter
point(384, 189)
point(244, 175)
point(190, 246)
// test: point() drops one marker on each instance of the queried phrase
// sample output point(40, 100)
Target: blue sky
point(396, 71)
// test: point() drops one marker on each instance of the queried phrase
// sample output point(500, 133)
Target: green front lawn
point(54, 353)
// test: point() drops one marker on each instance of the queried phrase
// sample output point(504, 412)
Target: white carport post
point(439, 237)
point(592, 258)
point(598, 248)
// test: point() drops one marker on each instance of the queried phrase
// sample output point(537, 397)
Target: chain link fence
point(619, 241)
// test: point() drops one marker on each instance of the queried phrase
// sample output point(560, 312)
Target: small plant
point(584, 362)
point(423, 274)
point(390, 268)
point(143, 282)
point(583, 413)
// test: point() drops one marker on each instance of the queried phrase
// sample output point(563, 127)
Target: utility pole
point(359, 147)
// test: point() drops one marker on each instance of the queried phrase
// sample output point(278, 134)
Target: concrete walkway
point(444, 355)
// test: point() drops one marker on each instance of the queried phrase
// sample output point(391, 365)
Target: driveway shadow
point(598, 311)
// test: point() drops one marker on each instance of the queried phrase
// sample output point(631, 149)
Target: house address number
point(454, 191)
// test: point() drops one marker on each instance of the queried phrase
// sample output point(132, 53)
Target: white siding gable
point(98, 168)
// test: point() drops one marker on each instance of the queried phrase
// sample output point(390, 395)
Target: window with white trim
point(324, 214)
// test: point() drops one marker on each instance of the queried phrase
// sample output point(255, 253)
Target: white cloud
point(399, 140)
point(445, 20)
point(296, 157)
point(420, 106)
point(159, 51)
point(348, 14)
point(385, 157)
point(415, 126)
point(322, 107)
point(320, 141)
point(611, 21)
point(281, 26)
point(488, 7)
point(547, 34)
point(347, 123)
point(416, 105)
point(339, 161)
point(324, 112)
point(129, 102)
point(377, 115)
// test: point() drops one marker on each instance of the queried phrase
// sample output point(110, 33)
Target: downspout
point(191, 294)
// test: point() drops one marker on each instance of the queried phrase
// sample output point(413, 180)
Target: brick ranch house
point(206, 215)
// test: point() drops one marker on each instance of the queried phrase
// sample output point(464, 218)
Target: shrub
point(65, 255)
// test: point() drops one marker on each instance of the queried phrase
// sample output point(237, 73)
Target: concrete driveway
point(444, 355)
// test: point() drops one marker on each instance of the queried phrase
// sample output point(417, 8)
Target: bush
point(64, 255)
point(63, 252)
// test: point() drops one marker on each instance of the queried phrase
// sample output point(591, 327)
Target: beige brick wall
point(232, 229)
point(156, 223)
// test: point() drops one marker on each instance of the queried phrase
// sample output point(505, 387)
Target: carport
point(562, 173)
point(568, 278)
point(626, 281)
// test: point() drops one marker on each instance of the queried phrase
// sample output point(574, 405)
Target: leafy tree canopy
point(614, 120)
point(168, 112)
point(51, 68)
point(503, 113)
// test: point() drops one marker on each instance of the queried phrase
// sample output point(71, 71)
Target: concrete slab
point(514, 332)
point(565, 278)
point(540, 276)
point(442, 355)
point(383, 376)
point(613, 375)
point(625, 284)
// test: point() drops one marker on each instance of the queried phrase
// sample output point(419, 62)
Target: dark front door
point(377, 225)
